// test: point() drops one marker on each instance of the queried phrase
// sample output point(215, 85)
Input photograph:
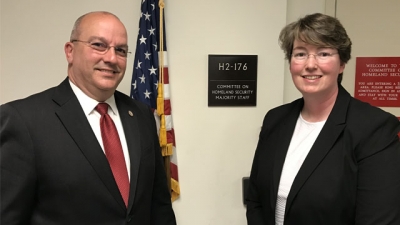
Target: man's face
point(97, 73)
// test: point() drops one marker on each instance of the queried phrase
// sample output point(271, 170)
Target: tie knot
point(102, 108)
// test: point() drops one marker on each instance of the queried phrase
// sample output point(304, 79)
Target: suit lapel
point(333, 127)
point(128, 114)
point(285, 133)
point(75, 122)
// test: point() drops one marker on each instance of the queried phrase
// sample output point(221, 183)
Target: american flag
point(145, 81)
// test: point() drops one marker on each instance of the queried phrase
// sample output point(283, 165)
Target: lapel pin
point(130, 113)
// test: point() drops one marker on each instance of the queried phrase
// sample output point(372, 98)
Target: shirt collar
point(88, 104)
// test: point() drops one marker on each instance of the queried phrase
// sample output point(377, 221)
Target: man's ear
point(69, 49)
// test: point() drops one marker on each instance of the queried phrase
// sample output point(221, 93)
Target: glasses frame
point(90, 45)
point(317, 57)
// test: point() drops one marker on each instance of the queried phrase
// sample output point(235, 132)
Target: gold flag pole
point(166, 150)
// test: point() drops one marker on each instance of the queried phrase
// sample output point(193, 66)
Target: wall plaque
point(232, 80)
point(378, 81)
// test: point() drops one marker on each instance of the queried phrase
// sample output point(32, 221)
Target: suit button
point(129, 219)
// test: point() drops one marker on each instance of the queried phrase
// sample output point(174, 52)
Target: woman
point(325, 158)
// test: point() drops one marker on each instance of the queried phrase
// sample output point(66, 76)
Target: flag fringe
point(167, 150)
point(175, 190)
point(160, 99)
point(163, 132)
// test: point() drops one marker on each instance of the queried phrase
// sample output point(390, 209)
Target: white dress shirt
point(303, 139)
point(88, 105)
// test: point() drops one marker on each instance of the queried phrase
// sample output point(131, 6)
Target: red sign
point(378, 81)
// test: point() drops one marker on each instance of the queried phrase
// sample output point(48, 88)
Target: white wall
point(215, 145)
point(33, 34)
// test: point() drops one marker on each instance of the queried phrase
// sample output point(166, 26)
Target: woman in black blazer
point(325, 158)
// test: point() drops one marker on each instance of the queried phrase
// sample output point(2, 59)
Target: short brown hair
point(319, 30)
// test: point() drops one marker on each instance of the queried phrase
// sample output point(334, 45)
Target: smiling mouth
point(107, 71)
point(314, 77)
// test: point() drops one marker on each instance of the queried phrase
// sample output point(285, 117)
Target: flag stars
point(151, 30)
point(142, 79)
point(138, 64)
point(145, 81)
point(147, 94)
point(147, 16)
point(134, 85)
point(147, 55)
point(143, 40)
point(153, 70)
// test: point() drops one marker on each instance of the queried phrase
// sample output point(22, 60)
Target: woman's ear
point(342, 66)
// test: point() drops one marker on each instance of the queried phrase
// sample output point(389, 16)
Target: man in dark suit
point(55, 167)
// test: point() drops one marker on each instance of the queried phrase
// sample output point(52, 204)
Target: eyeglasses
point(102, 48)
point(320, 57)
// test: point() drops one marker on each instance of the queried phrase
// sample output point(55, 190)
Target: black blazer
point(350, 176)
point(53, 170)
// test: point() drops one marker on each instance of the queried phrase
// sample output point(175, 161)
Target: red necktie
point(113, 150)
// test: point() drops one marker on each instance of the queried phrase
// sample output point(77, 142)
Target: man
point(58, 165)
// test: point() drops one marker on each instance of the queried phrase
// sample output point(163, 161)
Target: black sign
point(232, 80)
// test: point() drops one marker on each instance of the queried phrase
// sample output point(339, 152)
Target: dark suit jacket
point(53, 170)
point(350, 176)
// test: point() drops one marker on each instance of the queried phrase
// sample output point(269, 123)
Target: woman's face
point(315, 69)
